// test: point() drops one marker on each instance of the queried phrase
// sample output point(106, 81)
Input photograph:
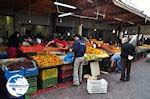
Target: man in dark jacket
point(127, 54)
point(13, 45)
point(79, 50)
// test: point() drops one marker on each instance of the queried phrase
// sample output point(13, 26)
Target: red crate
point(65, 73)
point(66, 67)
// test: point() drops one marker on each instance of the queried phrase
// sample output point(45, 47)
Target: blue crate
point(23, 71)
point(8, 73)
point(3, 55)
point(31, 71)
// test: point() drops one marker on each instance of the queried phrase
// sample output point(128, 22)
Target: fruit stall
point(46, 67)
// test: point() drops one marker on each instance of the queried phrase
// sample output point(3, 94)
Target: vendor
point(13, 44)
point(60, 43)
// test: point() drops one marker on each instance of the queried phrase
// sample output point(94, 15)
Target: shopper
point(127, 54)
point(116, 63)
point(13, 45)
point(79, 50)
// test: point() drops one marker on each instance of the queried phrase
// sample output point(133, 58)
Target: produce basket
point(21, 66)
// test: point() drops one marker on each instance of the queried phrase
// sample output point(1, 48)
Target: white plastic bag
point(97, 86)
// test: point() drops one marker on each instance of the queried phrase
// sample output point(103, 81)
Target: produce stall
point(47, 67)
point(141, 51)
point(20, 66)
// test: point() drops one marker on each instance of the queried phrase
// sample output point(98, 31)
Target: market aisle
point(137, 88)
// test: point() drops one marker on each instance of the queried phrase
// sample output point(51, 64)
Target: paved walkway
point(137, 88)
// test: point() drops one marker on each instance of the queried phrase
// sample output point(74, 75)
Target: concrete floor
point(137, 88)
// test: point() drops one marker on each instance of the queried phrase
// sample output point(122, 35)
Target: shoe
point(121, 79)
point(127, 78)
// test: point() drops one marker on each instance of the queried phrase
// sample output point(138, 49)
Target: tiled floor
point(137, 88)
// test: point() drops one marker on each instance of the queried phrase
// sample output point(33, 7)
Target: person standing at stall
point(127, 55)
point(79, 49)
point(13, 44)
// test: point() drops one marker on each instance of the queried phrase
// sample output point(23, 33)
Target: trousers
point(126, 68)
point(78, 70)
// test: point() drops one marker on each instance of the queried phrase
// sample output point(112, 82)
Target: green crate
point(27, 96)
point(32, 81)
point(48, 73)
point(48, 83)
point(31, 90)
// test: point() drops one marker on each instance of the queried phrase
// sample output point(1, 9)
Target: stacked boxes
point(48, 78)
point(32, 86)
point(65, 73)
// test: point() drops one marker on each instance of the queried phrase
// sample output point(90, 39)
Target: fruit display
point(144, 46)
point(34, 48)
point(91, 57)
point(3, 48)
point(98, 52)
point(115, 48)
point(88, 44)
point(47, 60)
point(26, 64)
point(53, 49)
point(96, 41)
point(110, 48)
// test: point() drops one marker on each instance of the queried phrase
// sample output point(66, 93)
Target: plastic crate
point(67, 67)
point(68, 79)
point(65, 76)
point(66, 73)
point(31, 90)
point(48, 83)
point(3, 55)
point(22, 71)
point(48, 73)
point(27, 96)
point(32, 81)
point(31, 71)
point(8, 73)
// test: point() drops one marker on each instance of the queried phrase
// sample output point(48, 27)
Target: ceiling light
point(64, 5)
point(65, 14)
point(126, 32)
point(130, 22)
point(30, 21)
point(113, 31)
point(118, 19)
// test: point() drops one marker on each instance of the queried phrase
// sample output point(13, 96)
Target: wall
point(71, 22)
point(6, 24)
point(40, 23)
point(145, 29)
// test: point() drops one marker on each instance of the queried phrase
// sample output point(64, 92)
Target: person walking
point(127, 55)
point(13, 45)
point(79, 50)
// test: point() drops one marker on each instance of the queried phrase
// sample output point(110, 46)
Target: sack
point(69, 57)
point(97, 86)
